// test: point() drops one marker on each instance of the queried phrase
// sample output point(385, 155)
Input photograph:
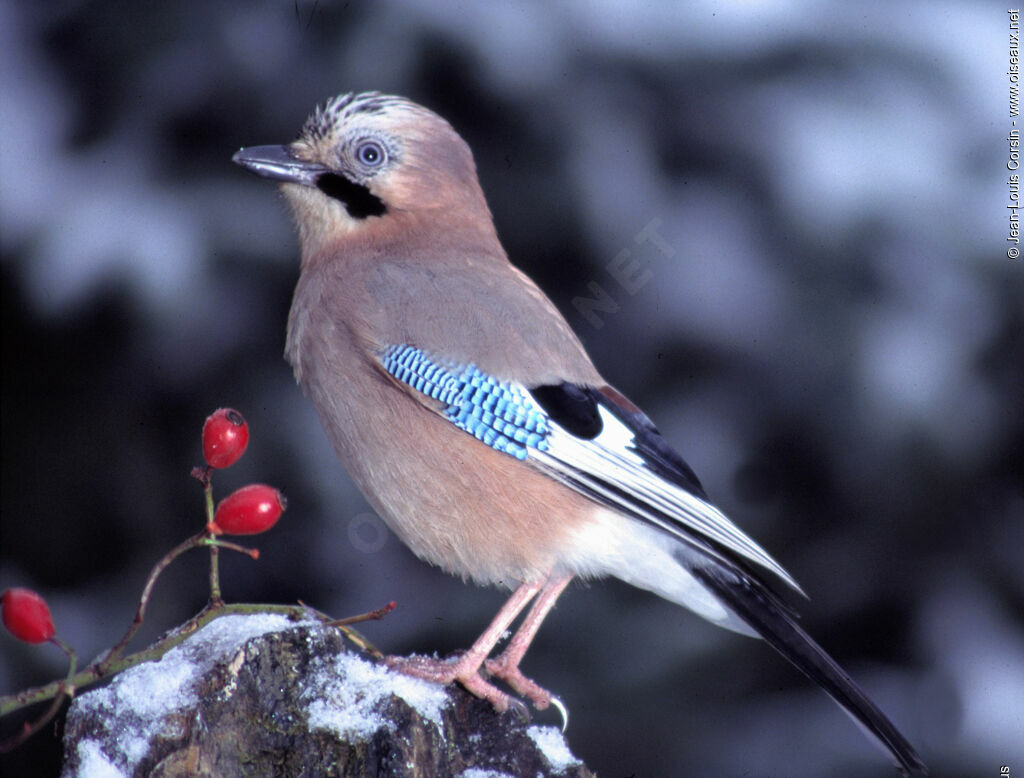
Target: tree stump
point(261, 695)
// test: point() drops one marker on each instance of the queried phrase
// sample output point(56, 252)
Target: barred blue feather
point(498, 413)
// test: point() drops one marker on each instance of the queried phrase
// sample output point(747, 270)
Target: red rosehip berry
point(225, 436)
point(27, 615)
point(249, 511)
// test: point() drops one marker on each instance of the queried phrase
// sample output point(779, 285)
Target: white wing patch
point(610, 467)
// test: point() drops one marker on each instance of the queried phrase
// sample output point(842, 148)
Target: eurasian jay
point(470, 416)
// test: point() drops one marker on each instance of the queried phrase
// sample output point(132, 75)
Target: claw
point(563, 711)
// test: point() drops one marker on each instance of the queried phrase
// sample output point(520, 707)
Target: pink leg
point(466, 668)
point(506, 664)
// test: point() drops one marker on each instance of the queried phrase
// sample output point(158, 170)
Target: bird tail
point(761, 610)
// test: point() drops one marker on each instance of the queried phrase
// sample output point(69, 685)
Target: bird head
point(365, 163)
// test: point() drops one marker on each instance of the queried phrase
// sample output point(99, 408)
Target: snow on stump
point(261, 695)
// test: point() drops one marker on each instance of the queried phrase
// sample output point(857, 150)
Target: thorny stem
point(65, 688)
point(357, 638)
point(373, 615)
point(147, 590)
point(216, 600)
point(200, 539)
point(204, 538)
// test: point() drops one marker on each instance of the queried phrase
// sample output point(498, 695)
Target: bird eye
point(370, 153)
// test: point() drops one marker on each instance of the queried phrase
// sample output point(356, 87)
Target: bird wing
point(598, 443)
point(592, 440)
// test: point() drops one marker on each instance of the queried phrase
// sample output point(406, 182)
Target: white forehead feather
point(328, 119)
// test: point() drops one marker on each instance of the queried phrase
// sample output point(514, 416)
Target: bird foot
point(508, 671)
point(445, 671)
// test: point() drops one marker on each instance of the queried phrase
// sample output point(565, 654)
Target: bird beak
point(278, 164)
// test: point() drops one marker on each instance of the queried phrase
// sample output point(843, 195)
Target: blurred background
point(823, 320)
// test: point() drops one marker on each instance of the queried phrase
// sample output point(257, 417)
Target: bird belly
point(454, 501)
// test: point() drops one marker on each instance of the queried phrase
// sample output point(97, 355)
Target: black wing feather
point(660, 457)
point(748, 599)
point(571, 406)
point(575, 407)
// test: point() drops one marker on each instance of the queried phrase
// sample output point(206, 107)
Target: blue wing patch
point(499, 413)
